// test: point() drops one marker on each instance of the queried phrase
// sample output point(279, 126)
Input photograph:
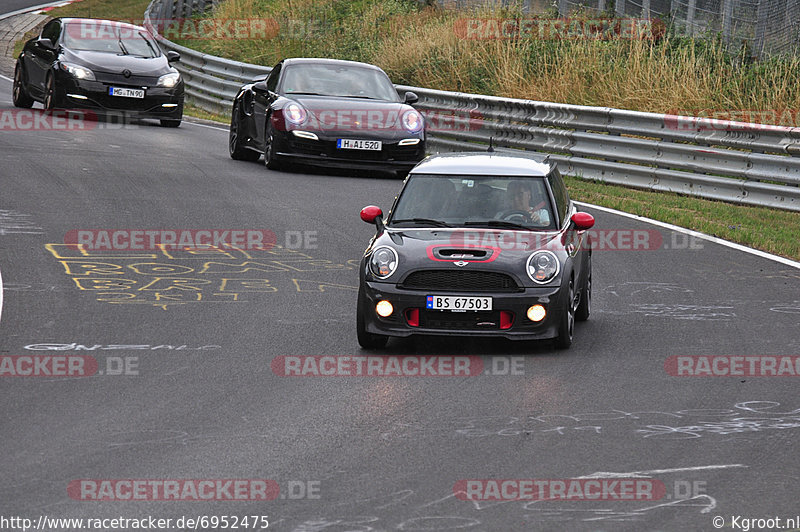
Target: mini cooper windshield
point(473, 201)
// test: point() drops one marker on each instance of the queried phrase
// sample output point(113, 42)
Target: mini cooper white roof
point(485, 164)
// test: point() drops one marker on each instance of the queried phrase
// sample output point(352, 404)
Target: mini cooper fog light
point(384, 309)
point(536, 313)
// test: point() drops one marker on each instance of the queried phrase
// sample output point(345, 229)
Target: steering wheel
point(511, 214)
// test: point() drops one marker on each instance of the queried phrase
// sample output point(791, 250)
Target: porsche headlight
point(383, 262)
point(77, 71)
point(412, 121)
point(294, 114)
point(169, 80)
point(543, 266)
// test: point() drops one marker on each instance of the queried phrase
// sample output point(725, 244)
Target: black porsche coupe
point(329, 113)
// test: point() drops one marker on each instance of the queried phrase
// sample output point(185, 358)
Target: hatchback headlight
point(77, 71)
point(169, 80)
point(543, 266)
point(383, 262)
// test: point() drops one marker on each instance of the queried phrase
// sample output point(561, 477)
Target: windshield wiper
point(292, 93)
point(500, 223)
point(437, 223)
point(152, 50)
point(122, 46)
point(359, 96)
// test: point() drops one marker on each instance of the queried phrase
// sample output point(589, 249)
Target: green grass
point(419, 48)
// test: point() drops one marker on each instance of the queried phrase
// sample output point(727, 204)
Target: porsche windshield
point(338, 80)
point(474, 201)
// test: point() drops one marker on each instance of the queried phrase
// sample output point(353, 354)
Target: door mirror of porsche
point(410, 98)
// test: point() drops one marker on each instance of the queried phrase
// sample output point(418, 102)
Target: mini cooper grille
point(472, 321)
point(465, 281)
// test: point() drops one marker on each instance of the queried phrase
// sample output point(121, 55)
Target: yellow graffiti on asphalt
point(166, 277)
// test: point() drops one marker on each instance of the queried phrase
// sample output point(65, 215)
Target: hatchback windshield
point(104, 36)
point(349, 81)
point(463, 201)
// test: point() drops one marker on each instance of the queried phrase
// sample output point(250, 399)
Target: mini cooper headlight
point(77, 71)
point(383, 262)
point(412, 121)
point(543, 266)
point(294, 114)
point(169, 80)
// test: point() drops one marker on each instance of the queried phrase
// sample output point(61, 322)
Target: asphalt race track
point(185, 389)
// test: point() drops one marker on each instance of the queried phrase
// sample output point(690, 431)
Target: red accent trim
point(506, 319)
point(412, 316)
point(432, 247)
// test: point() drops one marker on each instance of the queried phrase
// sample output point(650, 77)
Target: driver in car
point(519, 199)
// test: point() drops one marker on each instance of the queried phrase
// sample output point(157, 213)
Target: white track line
point(32, 8)
point(646, 474)
point(739, 247)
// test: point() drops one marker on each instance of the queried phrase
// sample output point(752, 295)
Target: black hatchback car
point(100, 66)
point(329, 113)
point(477, 244)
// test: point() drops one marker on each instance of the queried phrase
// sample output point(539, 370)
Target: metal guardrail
point(736, 162)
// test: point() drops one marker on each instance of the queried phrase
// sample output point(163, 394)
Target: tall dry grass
point(421, 47)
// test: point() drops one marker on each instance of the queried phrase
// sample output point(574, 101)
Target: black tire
point(366, 339)
point(235, 148)
point(50, 93)
point(585, 305)
point(169, 122)
point(271, 160)
point(566, 326)
point(19, 94)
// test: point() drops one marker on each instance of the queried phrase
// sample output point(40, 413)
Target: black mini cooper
point(477, 244)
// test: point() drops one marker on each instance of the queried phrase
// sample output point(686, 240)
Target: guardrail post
point(690, 11)
point(727, 21)
point(619, 7)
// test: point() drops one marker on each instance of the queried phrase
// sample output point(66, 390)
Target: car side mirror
point(373, 215)
point(582, 221)
point(260, 86)
point(410, 98)
point(173, 56)
point(261, 77)
point(46, 43)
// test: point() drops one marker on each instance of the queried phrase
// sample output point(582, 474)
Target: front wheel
point(236, 149)
point(567, 326)
point(366, 339)
point(585, 306)
point(50, 93)
point(270, 159)
point(19, 94)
